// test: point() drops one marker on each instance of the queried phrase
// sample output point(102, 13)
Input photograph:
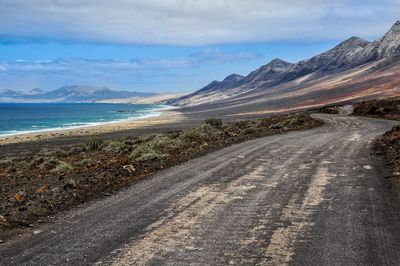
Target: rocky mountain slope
point(354, 69)
point(69, 94)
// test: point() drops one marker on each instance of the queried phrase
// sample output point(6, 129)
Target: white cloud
point(188, 22)
point(218, 56)
point(84, 66)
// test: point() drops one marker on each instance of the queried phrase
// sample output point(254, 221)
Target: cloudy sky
point(170, 45)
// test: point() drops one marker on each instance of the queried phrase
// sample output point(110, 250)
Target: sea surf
point(19, 118)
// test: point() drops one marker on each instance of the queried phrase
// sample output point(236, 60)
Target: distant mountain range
point(353, 70)
point(71, 94)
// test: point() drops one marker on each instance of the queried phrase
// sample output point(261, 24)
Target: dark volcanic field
point(389, 146)
point(385, 108)
point(41, 180)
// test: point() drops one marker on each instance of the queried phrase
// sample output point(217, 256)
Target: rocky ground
point(388, 146)
point(385, 108)
point(40, 183)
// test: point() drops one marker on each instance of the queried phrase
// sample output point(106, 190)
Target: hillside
point(353, 70)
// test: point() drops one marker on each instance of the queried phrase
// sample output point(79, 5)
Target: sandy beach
point(167, 116)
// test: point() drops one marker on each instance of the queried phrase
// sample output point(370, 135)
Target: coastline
point(166, 115)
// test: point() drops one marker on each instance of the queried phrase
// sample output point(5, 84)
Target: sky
point(170, 45)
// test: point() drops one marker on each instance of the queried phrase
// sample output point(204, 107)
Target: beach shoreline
point(167, 115)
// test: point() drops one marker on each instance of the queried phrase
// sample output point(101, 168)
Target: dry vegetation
point(385, 108)
point(37, 185)
point(388, 145)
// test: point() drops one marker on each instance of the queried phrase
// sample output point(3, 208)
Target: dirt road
point(306, 198)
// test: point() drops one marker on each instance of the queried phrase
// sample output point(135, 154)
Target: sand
point(167, 116)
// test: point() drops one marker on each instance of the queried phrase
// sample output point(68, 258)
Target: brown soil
point(37, 184)
point(385, 108)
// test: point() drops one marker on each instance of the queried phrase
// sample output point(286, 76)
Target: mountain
point(267, 74)
point(9, 94)
point(35, 91)
point(352, 70)
point(69, 94)
point(227, 83)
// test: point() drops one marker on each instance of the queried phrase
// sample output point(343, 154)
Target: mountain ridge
point(71, 94)
point(349, 55)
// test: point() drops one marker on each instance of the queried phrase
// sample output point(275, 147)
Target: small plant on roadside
point(85, 163)
point(249, 130)
point(146, 153)
point(63, 167)
point(214, 122)
point(49, 163)
point(165, 143)
point(117, 146)
point(147, 137)
point(192, 135)
point(93, 144)
point(23, 165)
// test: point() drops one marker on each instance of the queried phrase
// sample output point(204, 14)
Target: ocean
point(17, 118)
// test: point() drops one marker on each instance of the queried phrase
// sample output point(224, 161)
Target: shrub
point(206, 128)
point(49, 163)
point(192, 135)
point(147, 137)
point(146, 153)
point(23, 165)
point(85, 163)
point(297, 121)
point(213, 121)
point(165, 142)
point(241, 124)
point(6, 161)
point(93, 144)
point(63, 167)
point(36, 160)
point(74, 151)
point(249, 130)
point(117, 147)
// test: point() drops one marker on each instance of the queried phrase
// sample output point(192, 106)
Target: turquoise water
point(16, 118)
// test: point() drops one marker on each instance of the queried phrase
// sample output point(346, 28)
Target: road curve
point(315, 197)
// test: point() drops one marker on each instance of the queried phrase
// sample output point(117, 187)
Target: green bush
point(37, 160)
point(49, 163)
point(93, 144)
point(146, 153)
point(241, 124)
point(165, 142)
point(192, 135)
point(213, 121)
point(85, 163)
point(23, 165)
point(117, 147)
point(6, 161)
point(297, 121)
point(249, 130)
point(147, 137)
point(63, 167)
point(74, 151)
